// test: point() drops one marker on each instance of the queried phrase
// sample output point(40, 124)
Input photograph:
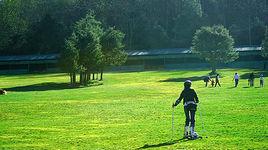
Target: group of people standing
point(215, 82)
point(250, 79)
point(236, 79)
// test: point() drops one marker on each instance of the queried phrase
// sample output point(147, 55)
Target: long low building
point(28, 63)
point(138, 60)
point(183, 58)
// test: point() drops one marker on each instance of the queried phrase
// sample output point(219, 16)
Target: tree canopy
point(89, 49)
point(215, 45)
point(38, 26)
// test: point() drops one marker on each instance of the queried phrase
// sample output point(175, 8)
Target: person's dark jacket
point(188, 95)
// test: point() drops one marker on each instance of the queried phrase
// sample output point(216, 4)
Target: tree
point(215, 45)
point(69, 59)
point(46, 36)
point(88, 32)
point(84, 44)
point(264, 47)
point(41, 26)
point(112, 49)
point(186, 22)
point(12, 26)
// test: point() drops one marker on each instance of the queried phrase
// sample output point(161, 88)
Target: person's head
point(217, 74)
point(187, 84)
point(236, 73)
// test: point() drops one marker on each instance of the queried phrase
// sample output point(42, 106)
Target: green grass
point(129, 111)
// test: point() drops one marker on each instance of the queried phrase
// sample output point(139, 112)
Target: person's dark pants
point(236, 82)
point(252, 82)
point(190, 116)
point(261, 83)
point(217, 82)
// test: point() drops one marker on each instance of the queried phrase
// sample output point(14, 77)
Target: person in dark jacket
point(190, 101)
point(207, 79)
point(251, 79)
point(261, 80)
point(217, 80)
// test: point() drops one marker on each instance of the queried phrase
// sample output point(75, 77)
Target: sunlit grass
point(129, 111)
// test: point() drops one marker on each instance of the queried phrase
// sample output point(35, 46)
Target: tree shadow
point(195, 78)
point(256, 74)
point(41, 87)
point(164, 144)
point(47, 86)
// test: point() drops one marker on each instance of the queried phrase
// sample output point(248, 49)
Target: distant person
point(212, 82)
point(236, 79)
point(251, 79)
point(261, 80)
point(190, 101)
point(207, 79)
point(3, 92)
point(217, 80)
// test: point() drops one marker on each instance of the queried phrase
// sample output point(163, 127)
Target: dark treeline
point(41, 26)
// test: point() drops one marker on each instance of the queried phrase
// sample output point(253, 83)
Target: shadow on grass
point(41, 87)
point(195, 78)
point(256, 74)
point(163, 144)
point(46, 87)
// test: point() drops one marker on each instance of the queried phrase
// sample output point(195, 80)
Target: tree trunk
point(93, 76)
point(81, 77)
point(88, 77)
point(213, 67)
point(101, 75)
point(84, 79)
point(74, 79)
point(71, 79)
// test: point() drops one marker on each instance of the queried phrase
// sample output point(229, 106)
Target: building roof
point(173, 51)
point(153, 52)
point(29, 57)
point(159, 52)
point(243, 49)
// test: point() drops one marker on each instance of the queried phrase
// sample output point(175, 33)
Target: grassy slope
point(130, 111)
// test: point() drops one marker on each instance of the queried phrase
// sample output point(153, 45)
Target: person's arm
point(178, 100)
point(196, 98)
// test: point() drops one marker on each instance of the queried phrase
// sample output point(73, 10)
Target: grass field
point(130, 111)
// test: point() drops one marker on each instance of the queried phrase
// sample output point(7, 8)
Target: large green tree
point(87, 33)
point(112, 49)
point(215, 45)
